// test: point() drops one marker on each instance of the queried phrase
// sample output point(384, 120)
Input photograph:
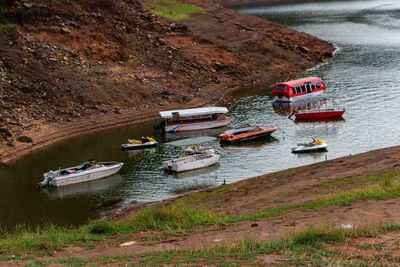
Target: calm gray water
point(364, 78)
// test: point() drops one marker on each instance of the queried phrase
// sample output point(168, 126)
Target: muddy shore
point(67, 69)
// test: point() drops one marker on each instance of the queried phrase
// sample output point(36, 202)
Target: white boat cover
point(191, 141)
point(193, 112)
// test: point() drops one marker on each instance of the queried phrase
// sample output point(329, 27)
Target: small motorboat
point(196, 149)
point(194, 156)
point(192, 162)
point(246, 133)
point(144, 142)
point(87, 171)
point(318, 114)
point(316, 145)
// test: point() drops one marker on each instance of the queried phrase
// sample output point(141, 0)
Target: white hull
point(303, 148)
point(173, 128)
point(138, 146)
point(87, 175)
point(192, 162)
point(300, 97)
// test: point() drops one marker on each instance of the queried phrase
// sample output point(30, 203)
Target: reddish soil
point(71, 67)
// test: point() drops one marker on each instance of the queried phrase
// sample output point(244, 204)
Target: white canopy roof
point(193, 112)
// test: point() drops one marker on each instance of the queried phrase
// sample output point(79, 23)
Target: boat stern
point(224, 138)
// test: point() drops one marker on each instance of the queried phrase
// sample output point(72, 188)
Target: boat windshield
point(281, 87)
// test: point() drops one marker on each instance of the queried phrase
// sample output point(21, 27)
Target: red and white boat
point(318, 114)
point(300, 89)
point(194, 119)
point(246, 133)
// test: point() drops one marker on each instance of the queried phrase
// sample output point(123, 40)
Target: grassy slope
point(181, 215)
point(171, 9)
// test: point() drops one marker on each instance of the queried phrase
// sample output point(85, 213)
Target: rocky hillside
point(68, 66)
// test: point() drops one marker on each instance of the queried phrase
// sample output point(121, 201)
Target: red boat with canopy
point(300, 89)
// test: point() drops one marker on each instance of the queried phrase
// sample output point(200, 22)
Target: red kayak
point(318, 114)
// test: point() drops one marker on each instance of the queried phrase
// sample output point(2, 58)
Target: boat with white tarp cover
point(194, 119)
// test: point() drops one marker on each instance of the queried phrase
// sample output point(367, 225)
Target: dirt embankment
point(68, 67)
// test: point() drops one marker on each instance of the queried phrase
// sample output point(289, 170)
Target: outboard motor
point(160, 127)
point(47, 178)
point(224, 137)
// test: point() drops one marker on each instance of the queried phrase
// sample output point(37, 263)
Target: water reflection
point(190, 134)
point(286, 109)
point(252, 144)
point(137, 153)
point(200, 174)
point(331, 120)
point(91, 187)
point(315, 155)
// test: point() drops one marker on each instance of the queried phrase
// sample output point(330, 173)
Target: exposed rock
point(304, 49)
point(65, 30)
point(5, 133)
point(11, 143)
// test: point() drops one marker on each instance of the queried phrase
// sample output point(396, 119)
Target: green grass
point(3, 10)
point(359, 180)
point(176, 218)
point(4, 27)
point(313, 249)
point(307, 247)
point(171, 9)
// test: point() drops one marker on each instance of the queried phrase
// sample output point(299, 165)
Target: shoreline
point(260, 3)
point(76, 128)
point(380, 159)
